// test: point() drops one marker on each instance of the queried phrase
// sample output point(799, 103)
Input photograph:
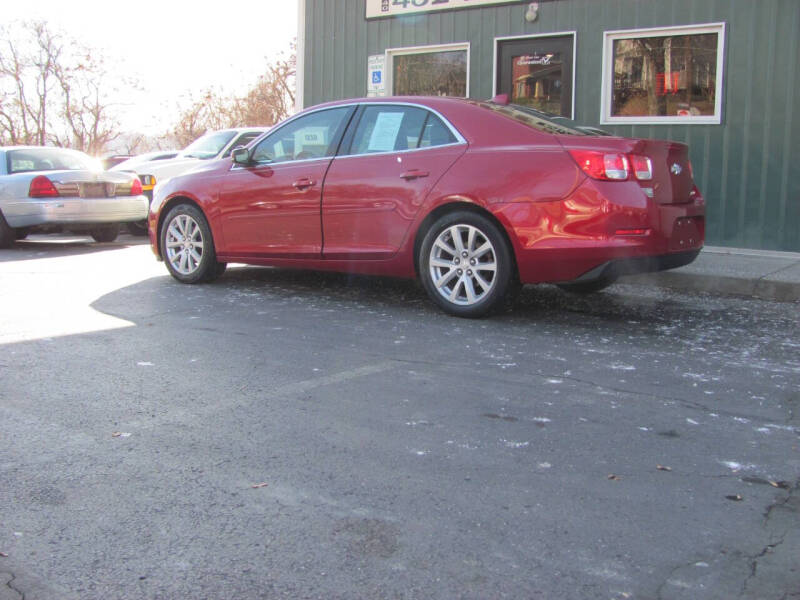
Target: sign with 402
point(394, 8)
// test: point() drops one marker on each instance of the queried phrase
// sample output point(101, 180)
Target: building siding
point(746, 167)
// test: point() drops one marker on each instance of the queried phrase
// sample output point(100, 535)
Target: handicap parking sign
point(376, 77)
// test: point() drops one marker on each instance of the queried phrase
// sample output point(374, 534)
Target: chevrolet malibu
point(473, 198)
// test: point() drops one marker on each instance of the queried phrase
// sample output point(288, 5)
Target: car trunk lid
point(671, 181)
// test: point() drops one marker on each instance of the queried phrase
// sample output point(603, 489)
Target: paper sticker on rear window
point(384, 133)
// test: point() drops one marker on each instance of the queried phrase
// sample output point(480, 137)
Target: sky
point(174, 48)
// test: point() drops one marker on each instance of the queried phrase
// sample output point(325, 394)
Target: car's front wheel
point(466, 265)
point(187, 246)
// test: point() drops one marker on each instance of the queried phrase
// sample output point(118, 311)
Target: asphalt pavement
point(286, 434)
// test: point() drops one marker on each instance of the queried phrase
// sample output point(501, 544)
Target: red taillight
point(602, 165)
point(136, 187)
point(642, 167)
point(42, 187)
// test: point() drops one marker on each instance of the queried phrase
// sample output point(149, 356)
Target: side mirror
point(241, 155)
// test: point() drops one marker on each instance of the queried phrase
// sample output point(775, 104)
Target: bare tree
point(87, 123)
point(26, 72)
point(52, 91)
point(269, 101)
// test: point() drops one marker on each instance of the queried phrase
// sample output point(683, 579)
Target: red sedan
point(474, 198)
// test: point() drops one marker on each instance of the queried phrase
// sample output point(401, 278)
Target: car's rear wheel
point(466, 265)
point(137, 227)
point(187, 246)
point(105, 233)
point(7, 234)
point(588, 287)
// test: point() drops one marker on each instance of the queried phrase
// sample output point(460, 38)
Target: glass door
point(537, 72)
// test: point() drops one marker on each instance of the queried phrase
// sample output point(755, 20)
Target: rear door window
point(394, 128)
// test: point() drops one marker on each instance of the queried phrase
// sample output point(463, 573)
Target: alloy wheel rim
point(463, 265)
point(184, 244)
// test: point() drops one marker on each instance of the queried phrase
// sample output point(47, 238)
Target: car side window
point(242, 140)
point(436, 133)
point(307, 137)
point(388, 128)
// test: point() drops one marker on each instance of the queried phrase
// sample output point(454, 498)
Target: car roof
point(432, 101)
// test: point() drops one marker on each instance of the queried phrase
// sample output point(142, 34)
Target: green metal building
point(719, 75)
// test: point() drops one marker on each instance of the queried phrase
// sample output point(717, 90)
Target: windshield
point(209, 145)
point(540, 120)
point(49, 159)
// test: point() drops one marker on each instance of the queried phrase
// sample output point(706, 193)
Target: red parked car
point(474, 198)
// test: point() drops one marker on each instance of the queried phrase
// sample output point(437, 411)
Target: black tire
point(219, 270)
point(7, 235)
point(187, 246)
point(105, 233)
point(138, 228)
point(473, 279)
point(588, 287)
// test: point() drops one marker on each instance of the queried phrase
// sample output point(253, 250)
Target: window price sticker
point(392, 8)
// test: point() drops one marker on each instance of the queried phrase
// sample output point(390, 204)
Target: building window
point(430, 71)
point(670, 75)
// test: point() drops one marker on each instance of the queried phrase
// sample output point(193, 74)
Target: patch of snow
point(509, 444)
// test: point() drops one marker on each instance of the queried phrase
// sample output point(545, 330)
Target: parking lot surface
point(284, 434)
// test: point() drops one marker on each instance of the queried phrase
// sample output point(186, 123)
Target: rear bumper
point(71, 211)
point(593, 234)
point(633, 266)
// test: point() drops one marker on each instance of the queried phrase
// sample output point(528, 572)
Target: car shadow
point(361, 295)
point(619, 303)
point(38, 246)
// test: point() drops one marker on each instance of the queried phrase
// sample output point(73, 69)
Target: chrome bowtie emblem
point(676, 169)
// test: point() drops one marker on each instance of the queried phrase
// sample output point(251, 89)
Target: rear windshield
point(48, 159)
point(541, 121)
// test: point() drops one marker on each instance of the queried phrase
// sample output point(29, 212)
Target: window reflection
point(672, 76)
point(441, 73)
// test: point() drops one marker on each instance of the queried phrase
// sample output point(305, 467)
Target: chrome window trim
point(236, 166)
point(365, 154)
point(459, 138)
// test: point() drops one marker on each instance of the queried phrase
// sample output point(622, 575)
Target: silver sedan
point(44, 189)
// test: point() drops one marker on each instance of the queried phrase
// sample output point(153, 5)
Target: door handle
point(413, 174)
point(303, 184)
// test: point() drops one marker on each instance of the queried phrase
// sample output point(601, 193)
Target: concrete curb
point(777, 291)
point(765, 275)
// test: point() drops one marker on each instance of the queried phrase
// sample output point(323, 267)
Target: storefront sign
point(535, 59)
point(376, 75)
point(394, 8)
